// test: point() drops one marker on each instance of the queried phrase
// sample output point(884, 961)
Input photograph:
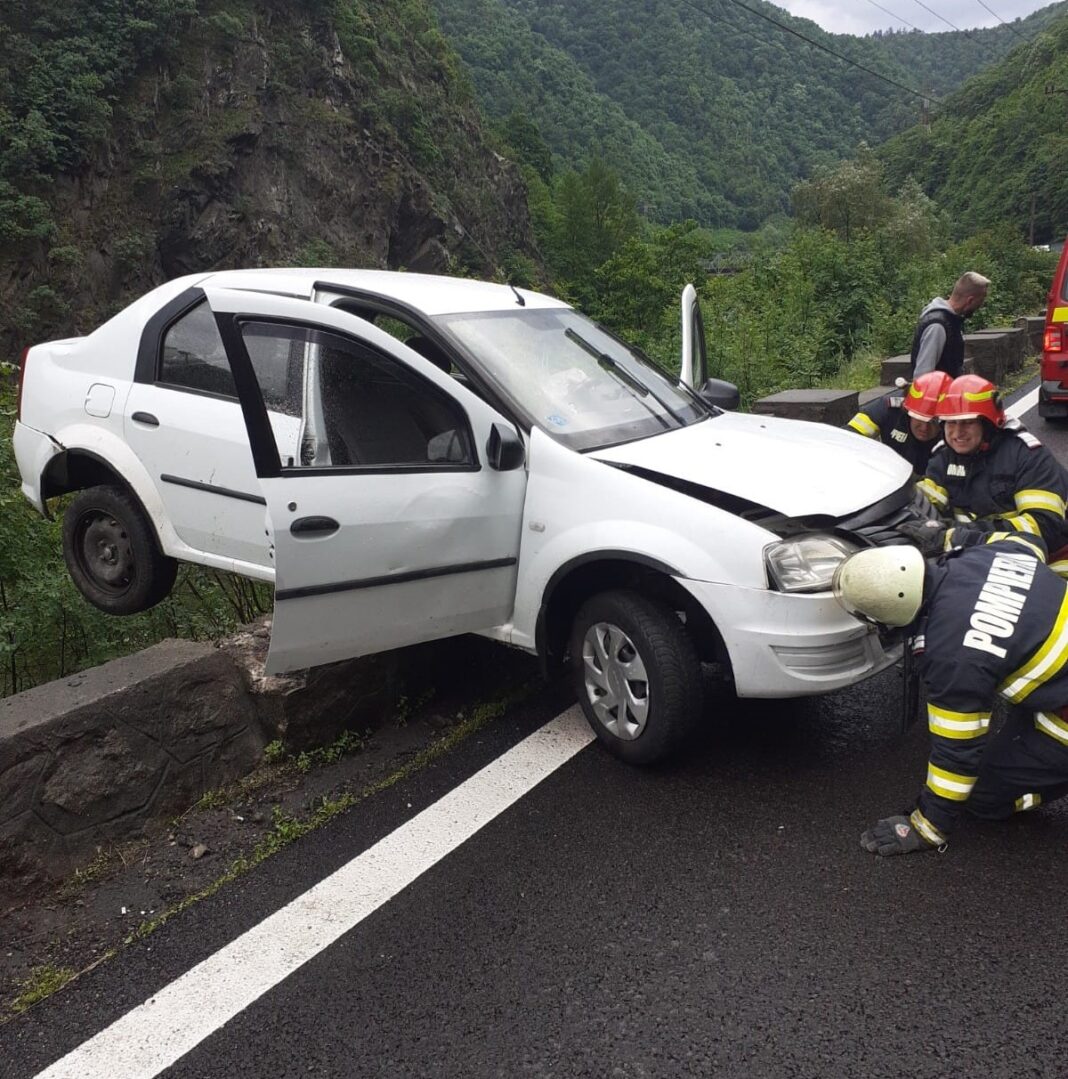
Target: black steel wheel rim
point(105, 552)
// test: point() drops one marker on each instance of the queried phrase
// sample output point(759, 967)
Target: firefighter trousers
point(1022, 768)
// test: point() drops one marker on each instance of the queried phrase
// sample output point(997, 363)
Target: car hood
point(793, 467)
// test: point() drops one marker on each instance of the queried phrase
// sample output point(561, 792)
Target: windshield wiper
point(609, 363)
point(613, 366)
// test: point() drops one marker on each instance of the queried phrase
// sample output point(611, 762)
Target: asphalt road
point(715, 916)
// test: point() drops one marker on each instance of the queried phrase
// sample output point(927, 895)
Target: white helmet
point(881, 584)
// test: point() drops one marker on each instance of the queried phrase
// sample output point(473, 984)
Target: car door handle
point(146, 418)
point(314, 526)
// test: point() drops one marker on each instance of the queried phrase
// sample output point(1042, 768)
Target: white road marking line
point(1025, 404)
point(165, 1027)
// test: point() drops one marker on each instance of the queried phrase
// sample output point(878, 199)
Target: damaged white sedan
point(409, 457)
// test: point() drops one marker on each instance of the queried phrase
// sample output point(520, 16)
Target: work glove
point(894, 835)
point(922, 507)
point(928, 535)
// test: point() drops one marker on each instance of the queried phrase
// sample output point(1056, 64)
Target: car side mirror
point(505, 449)
point(721, 394)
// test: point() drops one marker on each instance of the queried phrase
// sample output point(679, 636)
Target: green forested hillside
point(708, 115)
point(142, 139)
point(998, 150)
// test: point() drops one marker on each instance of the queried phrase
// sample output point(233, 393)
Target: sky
point(863, 16)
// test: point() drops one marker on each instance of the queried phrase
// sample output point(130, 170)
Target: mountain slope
point(725, 111)
point(147, 139)
point(998, 150)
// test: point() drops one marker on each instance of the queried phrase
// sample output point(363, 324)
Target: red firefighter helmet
point(972, 397)
point(922, 398)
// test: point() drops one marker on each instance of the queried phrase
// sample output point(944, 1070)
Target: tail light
point(1054, 339)
point(22, 379)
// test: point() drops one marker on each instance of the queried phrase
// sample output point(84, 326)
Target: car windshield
point(573, 379)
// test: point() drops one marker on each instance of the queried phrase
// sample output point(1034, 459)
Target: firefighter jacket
point(994, 623)
point(886, 419)
point(1013, 483)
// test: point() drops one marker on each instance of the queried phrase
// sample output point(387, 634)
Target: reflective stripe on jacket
point(995, 624)
point(886, 419)
point(1015, 484)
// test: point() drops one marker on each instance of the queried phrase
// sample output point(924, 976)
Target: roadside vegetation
point(801, 302)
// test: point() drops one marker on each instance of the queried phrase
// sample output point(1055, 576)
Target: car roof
point(429, 293)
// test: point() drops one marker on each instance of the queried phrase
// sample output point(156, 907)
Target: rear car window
point(194, 357)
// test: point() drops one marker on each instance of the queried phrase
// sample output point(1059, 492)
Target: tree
point(846, 198)
point(524, 139)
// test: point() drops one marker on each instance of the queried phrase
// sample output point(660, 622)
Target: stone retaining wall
point(91, 759)
point(993, 353)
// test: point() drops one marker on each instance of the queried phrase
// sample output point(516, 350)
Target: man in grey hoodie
point(938, 344)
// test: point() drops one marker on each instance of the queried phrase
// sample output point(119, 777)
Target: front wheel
point(112, 554)
point(636, 675)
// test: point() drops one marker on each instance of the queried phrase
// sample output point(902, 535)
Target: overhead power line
point(1022, 37)
point(816, 45)
point(946, 21)
point(887, 11)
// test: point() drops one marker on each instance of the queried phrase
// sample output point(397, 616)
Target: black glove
point(929, 535)
point(922, 507)
point(894, 835)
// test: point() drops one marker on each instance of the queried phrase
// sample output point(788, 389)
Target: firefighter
point(990, 621)
point(905, 420)
point(989, 474)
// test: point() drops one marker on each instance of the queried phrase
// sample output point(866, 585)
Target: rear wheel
point(112, 554)
point(636, 675)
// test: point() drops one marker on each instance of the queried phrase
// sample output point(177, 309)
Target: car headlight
point(806, 563)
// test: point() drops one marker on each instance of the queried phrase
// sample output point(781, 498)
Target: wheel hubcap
point(107, 555)
point(617, 685)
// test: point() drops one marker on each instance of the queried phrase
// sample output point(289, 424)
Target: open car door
point(694, 357)
point(398, 519)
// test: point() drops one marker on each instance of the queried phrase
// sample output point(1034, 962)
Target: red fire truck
point(1053, 394)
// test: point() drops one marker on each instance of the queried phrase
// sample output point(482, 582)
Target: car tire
point(636, 675)
point(112, 552)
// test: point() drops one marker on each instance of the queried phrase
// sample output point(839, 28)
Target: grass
point(42, 982)
point(860, 373)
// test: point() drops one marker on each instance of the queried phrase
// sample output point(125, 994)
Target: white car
point(409, 457)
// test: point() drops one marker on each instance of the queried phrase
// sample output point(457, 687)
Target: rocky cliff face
point(292, 133)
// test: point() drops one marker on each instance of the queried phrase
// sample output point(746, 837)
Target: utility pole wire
point(816, 45)
point(887, 11)
point(1022, 37)
point(947, 22)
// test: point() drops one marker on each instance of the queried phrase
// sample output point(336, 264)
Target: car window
point(572, 378)
point(193, 355)
point(412, 336)
point(359, 407)
point(278, 361)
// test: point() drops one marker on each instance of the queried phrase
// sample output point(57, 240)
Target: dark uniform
point(995, 624)
point(951, 358)
point(886, 419)
point(1014, 484)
